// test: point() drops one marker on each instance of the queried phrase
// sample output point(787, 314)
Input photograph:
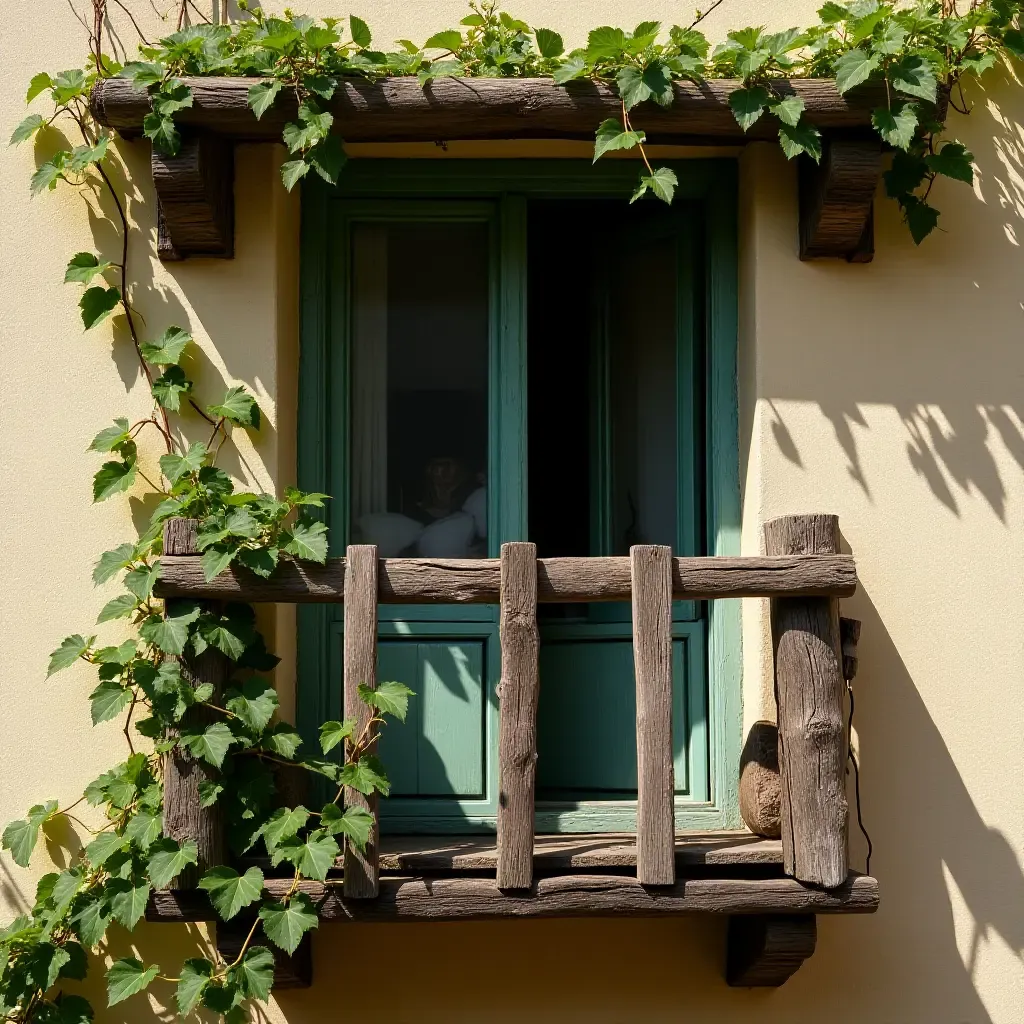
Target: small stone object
point(760, 783)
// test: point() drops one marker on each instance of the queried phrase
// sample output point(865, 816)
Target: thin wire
point(856, 779)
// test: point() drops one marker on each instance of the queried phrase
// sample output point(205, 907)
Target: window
point(490, 368)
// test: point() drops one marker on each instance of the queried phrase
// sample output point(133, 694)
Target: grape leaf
point(71, 649)
point(167, 349)
point(284, 924)
point(229, 891)
point(20, 836)
point(82, 268)
point(127, 977)
point(167, 859)
point(193, 978)
point(356, 823)
point(254, 703)
point(97, 303)
point(390, 698)
point(332, 733)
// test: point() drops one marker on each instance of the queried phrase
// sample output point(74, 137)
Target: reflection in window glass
point(419, 388)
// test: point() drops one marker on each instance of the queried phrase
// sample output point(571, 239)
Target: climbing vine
point(921, 52)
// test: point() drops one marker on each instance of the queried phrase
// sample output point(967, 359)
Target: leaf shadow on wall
point(933, 332)
point(924, 826)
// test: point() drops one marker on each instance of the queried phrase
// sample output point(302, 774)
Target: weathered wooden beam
point(401, 110)
point(766, 950)
point(809, 690)
point(478, 580)
point(195, 198)
point(836, 200)
point(291, 970)
point(517, 714)
point(361, 870)
point(184, 816)
point(651, 576)
point(459, 899)
point(557, 854)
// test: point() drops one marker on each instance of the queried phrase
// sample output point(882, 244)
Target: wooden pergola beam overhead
point(192, 188)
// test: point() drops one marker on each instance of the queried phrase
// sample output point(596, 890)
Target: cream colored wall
point(891, 393)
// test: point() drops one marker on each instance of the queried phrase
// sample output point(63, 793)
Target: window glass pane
point(642, 397)
point(419, 388)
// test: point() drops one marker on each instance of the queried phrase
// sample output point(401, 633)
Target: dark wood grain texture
point(195, 198)
point(809, 691)
point(361, 871)
point(836, 200)
point(766, 950)
point(651, 575)
point(401, 110)
point(577, 895)
point(478, 580)
point(849, 637)
point(293, 970)
point(517, 714)
point(184, 817)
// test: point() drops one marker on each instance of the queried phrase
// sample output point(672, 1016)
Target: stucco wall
point(891, 393)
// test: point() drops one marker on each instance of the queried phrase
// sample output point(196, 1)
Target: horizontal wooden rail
point(401, 110)
point(453, 899)
point(478, 580)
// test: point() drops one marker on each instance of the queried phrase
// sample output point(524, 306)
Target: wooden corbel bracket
point(765, 950)
point(195, 198)
point(837, 200)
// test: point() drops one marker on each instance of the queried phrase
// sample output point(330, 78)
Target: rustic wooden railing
point(803, 573)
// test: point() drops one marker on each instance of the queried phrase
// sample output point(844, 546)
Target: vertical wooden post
point(517, 719)
point(809, 692)
point(361, 869)
point(651, 574)
point(184, 817)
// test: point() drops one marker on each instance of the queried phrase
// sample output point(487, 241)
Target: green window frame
point(497, 192)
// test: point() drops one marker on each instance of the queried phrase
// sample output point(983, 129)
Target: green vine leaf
point(361, 34)
point(261, 96)
point(549, 43)
point(307, 541)
point(168, 348)
point(97, 304)
point(921, 218)
point(141, 580)
point(103, 847)
point(389, 698)
point(284, 823)
point(116, 438)
point(954, 161)
point(801, 138)
point(113, 561)
point(39, 83)
point(167, 859)
point(128, 901)
point(283, 740)
point(332, 733)
point(897, 127)
point(20, 836)
point(26, 129)
point(285, 924)
point(312, 857)
point(748, 104)
point(113, 478)
point(914, 76)
point(108, 700)
point(91, 920)
point(254, 703)
point(144, 829)
point(174, 467)
point(238, 407)
point(662, 183)
point(117, 608)
point(49, 173)
point(170, 632)
point(255, 974)
point(128, 977)
point(170, 386)
point(83, 267)
point(853, 68)
point(195, 975)
point(356, 823)
point(229, 891)
point(788, 110)
point(211, 744)
point(449, 40)
point(292, 172)
point(654, 82)
point(611, 135)
point(71, 649)
point(365, 775)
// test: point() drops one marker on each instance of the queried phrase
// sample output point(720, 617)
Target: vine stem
point(627, 124)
